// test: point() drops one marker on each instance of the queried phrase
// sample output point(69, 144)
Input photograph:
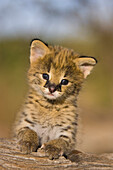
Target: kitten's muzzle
point(52, 88)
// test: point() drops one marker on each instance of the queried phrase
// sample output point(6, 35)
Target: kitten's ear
point(38, 49)
point(86, 64)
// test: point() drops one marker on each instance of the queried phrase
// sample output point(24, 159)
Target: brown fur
point(51, 122)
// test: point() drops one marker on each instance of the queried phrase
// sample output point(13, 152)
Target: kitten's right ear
point(38, 49)
point(85, 64)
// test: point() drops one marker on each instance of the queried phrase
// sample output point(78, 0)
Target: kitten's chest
point(47, 132)
point(50, 116)
point(52, 122)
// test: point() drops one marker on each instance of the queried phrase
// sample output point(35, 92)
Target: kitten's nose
point(52, 88)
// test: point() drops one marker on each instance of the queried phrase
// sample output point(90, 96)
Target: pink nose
point(52, 89)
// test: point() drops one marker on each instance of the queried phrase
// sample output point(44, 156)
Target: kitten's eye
point(64, 82)
point(45, 76)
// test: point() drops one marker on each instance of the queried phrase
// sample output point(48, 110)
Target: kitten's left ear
point(86, 64)
point(38, 49)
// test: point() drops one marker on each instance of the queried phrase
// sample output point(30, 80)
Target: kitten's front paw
point(53, 152)
point(27, 147)
point(28, 141)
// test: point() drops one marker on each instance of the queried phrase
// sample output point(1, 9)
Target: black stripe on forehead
point(44, 64)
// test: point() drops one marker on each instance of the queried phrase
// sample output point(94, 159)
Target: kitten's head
point(56, 72)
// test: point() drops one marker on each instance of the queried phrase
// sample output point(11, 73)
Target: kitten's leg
point(28, 140)
point(55, 148)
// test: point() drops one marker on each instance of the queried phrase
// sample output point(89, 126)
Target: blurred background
point(84, 25)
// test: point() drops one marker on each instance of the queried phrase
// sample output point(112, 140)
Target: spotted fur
point(49, 115)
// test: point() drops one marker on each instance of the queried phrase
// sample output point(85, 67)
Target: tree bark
point(11, 158)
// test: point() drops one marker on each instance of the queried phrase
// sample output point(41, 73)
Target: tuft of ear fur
point(38, 49)
point(86, 64)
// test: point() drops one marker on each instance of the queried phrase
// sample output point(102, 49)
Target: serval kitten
point(49, 115)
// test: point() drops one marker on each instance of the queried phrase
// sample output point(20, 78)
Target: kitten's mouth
point(50, 94)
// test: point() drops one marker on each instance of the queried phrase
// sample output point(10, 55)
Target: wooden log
point(11, 158)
